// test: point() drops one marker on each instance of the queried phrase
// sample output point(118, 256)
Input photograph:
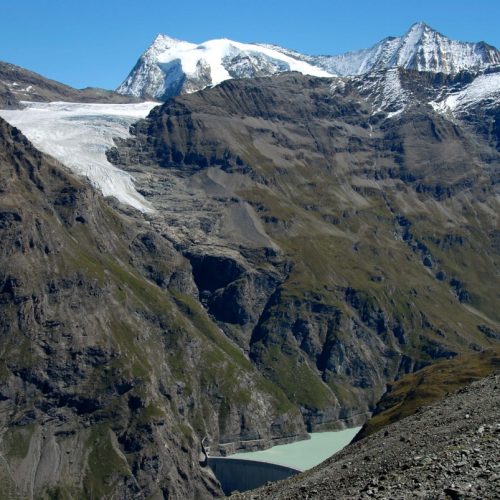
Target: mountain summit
point(170, 67)
point(424, 49)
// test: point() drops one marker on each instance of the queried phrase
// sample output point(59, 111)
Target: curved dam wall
point(237, 474)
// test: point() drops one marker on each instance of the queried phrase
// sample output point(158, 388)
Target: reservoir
point(305, 454)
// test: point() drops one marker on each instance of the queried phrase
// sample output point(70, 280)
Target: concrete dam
point(239, 474)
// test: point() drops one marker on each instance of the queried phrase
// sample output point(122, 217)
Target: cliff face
point(342, 232)
point(111, 373)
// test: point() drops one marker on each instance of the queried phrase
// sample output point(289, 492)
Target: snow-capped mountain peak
point(421, 48)
point(425, 49)
point(170, 67)
point(163, 43)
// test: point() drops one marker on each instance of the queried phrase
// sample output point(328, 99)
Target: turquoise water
point(304, 454)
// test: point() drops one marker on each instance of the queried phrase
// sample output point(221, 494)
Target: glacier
point(78, 135)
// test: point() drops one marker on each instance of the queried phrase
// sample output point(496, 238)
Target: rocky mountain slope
point(111, 373)
point(19, 84)
point(341, 231)
point(306, 241)
point(448, 450)
point(170, 67)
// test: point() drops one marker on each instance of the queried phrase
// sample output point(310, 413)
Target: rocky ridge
point(19, 84)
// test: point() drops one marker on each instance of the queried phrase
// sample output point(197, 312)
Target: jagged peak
point(164, 42)
point(420, 26)
point(418, 32)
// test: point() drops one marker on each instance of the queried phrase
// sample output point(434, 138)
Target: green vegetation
point(296, 378)
point(283, 404)
point(105, 467)
point(16, 441)
point(133, 356)
point(200, 319)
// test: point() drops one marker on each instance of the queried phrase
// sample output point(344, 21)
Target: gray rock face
point(448, 450)
point(324, 219)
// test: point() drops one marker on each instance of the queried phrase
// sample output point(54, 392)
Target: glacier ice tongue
point(78, 135)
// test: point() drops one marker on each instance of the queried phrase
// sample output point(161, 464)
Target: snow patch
point(385, 91)
point(483, 88)
point(78, 135)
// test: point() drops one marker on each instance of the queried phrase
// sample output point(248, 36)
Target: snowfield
point(78, 135)
point(213, 53)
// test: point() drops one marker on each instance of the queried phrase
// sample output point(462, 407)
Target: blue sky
point(96, 43)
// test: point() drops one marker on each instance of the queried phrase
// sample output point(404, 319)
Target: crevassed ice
point(78, 135)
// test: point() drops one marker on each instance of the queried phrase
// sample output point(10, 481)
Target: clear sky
point(97, 42)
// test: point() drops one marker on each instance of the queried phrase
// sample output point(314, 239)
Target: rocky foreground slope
point(428, 386)
point(446, 451)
